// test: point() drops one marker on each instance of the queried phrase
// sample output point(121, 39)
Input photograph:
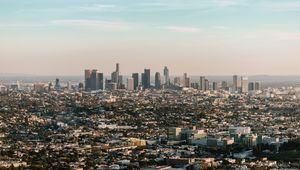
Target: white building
point(239, 130)
point(130, 83)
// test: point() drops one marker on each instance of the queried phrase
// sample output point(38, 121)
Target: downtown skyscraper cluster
point(141, 81)
point(95, 80)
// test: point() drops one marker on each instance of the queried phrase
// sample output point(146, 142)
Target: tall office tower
point(188, 82)
point(114, 77)
point(157, 80)
point(251, 86)
point(235, 83)
point(147, 79)
point(215, 86)
point(206, 87)
point(184, 79)
point(57, 84)
point(224, 85)
point(117, 68)
point(135, 77)
point(143, 79)
point(177, 81)
point(101, 81)
point(69, 85)
point(94, 80)
point(87, 79)
point(257, 86)
point(106, 83)
point(130, 84)
point(167, 76)
point(112, 86)
point(195, 85)
point(245, 84)
point(120, 84)
point(80, 86)
point(202, 83)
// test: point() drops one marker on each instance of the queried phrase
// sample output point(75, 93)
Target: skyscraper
point(130, 84)
point(244, 81)
point(177, 81)
point(57, 84)
point(188, 82)
point(87, 79)
point(251, 86)
point(135, 77)
point(143, 79)
point(202, 83)
point(185, 80)
point(224, 85)
point(101, 81)
point(115, 76)
point(206, 87)
point(167, 76)
point(157, 80)
point(215, 86)
point(257, 86)
point(94, 80)
point(235, 83)
point(146, 79)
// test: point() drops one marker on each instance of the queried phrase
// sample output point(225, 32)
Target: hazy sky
point(200, 37)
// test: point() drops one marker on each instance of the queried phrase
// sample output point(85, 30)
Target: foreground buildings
point(149, 129)
point(191, 127)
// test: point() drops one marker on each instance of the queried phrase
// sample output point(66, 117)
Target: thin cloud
point(20, 26)
point(95, 23)
point(283, 6)
point(99, 8)
point(221, 27)
point(184, 5)
point(182, 29)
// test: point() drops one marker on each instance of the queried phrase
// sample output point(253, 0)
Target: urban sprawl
point(140, 123)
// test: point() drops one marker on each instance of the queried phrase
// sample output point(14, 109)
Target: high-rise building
point(87, 79)
point(195, 85)
point(143, 79)
point(235, 83)
point(135, 77)
point(188, 82)
point(167, 76)
point(157, 80)
point(177, 81)
point(202, 83)
point(120, 82)
point(57, 84)
point(184, 78)
point(244, 81)
point(224, 85)
point(251, 86)
point(215, 86)
point(130, 83)
point(117, 68)
point(80, 86)
point(257, 86)
point(146, 79)
point(206, 85)
point(115, 76)
point(94, 80)
point(101, 81)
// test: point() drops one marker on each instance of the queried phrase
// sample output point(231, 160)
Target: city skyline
point(198, 37)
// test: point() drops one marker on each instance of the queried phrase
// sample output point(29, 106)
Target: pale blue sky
point(210, 37)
